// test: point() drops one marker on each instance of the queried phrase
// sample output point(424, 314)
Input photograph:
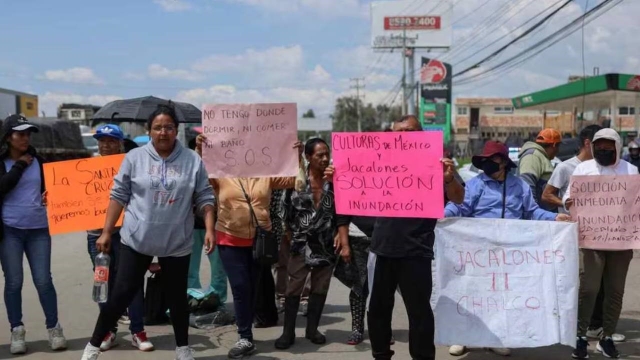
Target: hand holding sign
point(393, 174)
point(78, 192)
point(249, 140)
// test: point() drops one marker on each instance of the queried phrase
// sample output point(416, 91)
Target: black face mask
point(605, 157)
point(634, 154)
point(489, 167)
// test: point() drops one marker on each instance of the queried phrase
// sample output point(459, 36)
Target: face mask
point(605, 157)
point(634, 154)
point(489, 167)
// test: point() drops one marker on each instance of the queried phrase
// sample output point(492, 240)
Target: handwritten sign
point(78, 192)
point(389, 174)
point(252, 140)
point(506, 283)
point(607, 209)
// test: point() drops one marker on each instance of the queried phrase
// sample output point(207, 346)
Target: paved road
point(73, 278)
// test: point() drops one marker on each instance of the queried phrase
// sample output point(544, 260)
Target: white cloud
point(79, 75)
point(319, 75)
point(173, 5)
point(319, 99)
point(326, 8)
point(275, 60)
point(157, 71)
point(50, 101)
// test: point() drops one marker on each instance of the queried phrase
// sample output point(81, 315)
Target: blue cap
point(109, 130)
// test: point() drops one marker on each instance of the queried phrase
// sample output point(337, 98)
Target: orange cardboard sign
point(78, 192)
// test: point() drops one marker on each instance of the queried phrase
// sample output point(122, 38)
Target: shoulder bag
point(265, 245)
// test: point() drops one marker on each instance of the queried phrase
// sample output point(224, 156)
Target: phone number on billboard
point(412, 23)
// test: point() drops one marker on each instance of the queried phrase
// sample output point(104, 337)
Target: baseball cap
point(549, 136)
point(17, 123)
point(109, 130)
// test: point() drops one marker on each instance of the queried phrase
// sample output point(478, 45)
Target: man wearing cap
point(25, 231)
point(535, 166)
point(111, 142)
point(497, 194)
point(608, 266)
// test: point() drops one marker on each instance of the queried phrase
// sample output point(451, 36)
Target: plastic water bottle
point(101, 278)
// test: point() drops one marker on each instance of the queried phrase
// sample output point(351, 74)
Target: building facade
point(16, 102)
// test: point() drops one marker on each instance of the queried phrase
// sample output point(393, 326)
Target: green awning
point(596, 92)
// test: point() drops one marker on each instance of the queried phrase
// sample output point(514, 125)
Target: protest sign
point(250, 140)
point(78, 192)
point(506, 283)
point(392, 174)
point(607, 209)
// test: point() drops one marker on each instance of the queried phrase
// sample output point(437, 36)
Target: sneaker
point(607, 348)
point(18, 344)
point(57, 340)
point(618, 338)
point(581, 349)
point(141, 342)
point(124, 320)
point(109, 342)
point(241, 349)
point(304, 308)
point(501, 351)
point(90, 353)
point(184, 353)
point(457, 350)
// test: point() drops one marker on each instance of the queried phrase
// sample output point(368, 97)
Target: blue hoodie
point(158, 195)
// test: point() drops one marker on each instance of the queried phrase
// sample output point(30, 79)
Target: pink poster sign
point(250, 140)
point(607, 209)
point(390, 174)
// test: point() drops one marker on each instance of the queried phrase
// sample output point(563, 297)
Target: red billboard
point(412, 23)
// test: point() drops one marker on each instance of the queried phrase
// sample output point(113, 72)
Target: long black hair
point(163, 109)
point(310, 145)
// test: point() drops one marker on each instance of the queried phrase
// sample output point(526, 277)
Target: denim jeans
point(36, 245)
point(136, 308)
point(242, 271)
point(218, 281)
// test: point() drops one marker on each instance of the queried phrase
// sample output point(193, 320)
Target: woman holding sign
point(25, 231)
point(157, 186)
point(241, 203)
point(497, 194)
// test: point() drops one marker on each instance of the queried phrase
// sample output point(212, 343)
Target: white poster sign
point(416, 24)
point(506, 283)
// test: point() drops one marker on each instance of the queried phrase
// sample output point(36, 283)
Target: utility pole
point(404, 70)
point(359, 84)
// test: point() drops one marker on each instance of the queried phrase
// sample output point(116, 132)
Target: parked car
point(90, 143)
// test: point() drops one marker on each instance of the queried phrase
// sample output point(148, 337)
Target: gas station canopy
point(593, 93)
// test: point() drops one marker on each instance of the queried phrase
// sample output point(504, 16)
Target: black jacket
point(9, 179)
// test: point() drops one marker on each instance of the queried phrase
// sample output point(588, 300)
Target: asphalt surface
point(73, 280)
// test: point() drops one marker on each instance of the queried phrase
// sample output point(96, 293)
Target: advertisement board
point(422, 24)
point(435, 96)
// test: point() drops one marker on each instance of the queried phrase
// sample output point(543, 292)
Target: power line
point(503, 48)
point(547, 42)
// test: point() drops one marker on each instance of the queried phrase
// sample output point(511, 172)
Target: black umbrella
point(139, 110)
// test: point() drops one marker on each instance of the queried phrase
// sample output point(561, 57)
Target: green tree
point(345, 115)
point(309, 114)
